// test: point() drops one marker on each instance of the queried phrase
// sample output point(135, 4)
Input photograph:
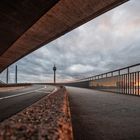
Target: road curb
point(66, 132)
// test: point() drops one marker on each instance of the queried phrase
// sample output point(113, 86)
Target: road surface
point(100, 115)
point(12, 102)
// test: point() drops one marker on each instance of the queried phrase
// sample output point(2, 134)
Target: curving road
point(12, 102)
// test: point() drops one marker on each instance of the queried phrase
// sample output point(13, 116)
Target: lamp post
point(16, 74)
point(54, 69)
point(7, 75)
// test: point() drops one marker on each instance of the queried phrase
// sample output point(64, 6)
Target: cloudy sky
point(108, 42)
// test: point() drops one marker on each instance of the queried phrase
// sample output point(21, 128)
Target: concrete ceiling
point(27, 25)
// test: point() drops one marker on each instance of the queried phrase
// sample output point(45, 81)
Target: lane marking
point(20, 94)
point(55, 89)
point(42, 92)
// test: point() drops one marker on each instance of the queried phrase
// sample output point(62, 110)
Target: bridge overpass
point(27, 25)
point(98, 104)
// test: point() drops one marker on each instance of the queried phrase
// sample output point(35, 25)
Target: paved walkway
point(100, 115)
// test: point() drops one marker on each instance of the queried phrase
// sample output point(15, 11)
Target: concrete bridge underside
point(27, 25)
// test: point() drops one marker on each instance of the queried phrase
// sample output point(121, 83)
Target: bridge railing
point(125, 80)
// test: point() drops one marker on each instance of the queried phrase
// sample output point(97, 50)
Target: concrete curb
point(47, 119)
point(66, 132)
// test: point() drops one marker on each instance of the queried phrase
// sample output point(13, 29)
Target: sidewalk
point(100, 115)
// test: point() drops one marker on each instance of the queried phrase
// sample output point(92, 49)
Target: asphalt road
point(12, 102)
point(100, 115)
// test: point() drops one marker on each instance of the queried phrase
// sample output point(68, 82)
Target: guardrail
point(125, 80)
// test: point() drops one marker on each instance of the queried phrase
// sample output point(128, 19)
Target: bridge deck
point(100, 115)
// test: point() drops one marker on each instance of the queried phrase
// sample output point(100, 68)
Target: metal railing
point(125, 80)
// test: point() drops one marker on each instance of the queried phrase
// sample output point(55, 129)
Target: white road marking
point(52, 92)
point(11, 96)
point(20, 94)
point(42, 92)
